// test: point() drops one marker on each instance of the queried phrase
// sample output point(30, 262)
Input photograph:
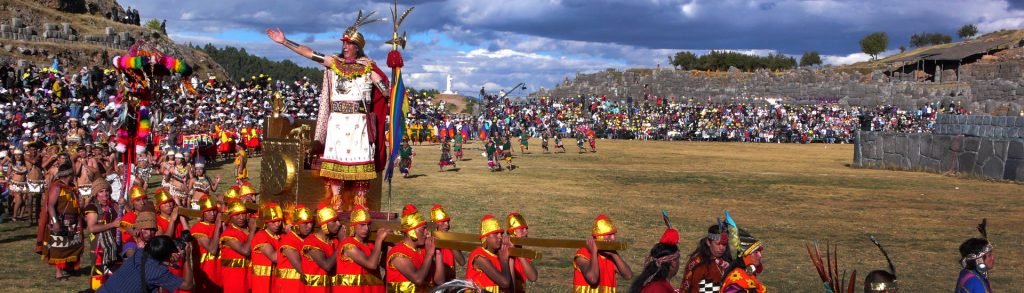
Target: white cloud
point(853, 58)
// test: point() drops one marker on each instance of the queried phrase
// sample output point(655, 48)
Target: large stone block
point(986, 150)
point(914, 148)
point(895, 161)
point(1012, 170)
point(965, 162)
point(971, 144)
point(991, 167)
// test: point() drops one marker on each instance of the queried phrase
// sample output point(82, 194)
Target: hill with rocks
point(82, 33)
point(984, 75)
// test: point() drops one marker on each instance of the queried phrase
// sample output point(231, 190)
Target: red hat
point(670, 237)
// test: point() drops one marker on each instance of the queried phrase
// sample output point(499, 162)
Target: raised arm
point(277, 36)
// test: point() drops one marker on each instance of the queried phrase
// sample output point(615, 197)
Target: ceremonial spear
point(399, 106)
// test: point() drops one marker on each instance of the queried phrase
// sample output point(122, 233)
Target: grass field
point(787, 195)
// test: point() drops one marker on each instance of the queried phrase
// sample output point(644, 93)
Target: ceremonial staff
point(399, 104)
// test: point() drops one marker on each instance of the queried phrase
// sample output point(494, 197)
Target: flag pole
point(394, 60)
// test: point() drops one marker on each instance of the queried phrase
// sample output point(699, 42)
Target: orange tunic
point(396, 282)
point(234, 267)
point(607, 281)
point(261, 275)
point(287, 278)
point(477, 276)
point(208, 276)
point(352, 277)
point(317, 280)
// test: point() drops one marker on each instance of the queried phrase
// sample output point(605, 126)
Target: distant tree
point(874, 43)
point(239, 64)
point(153, 24)
point(967, 31)
point(685, 60)
point(929, 39)
point(903, 49)
point(810, 59)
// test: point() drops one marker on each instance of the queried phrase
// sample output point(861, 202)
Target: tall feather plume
point(734, 235)
point(892, 268)
point(983, 228)
point(362, 20)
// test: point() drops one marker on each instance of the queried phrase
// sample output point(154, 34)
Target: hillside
point(1011, 38)
point(240, 64)
point(36, 32)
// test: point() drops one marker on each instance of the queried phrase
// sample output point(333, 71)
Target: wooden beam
point(535, 242)
point(468, 246)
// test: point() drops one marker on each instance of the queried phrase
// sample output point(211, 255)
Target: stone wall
point(17, 29)
point(956, 149)
point(991, 88)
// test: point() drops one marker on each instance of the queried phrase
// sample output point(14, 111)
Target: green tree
point(685, 60)
point(929, 39)
point(810, 59)
point(874, 43)
point(240, 64)
point(153, 24)
point(967, 31)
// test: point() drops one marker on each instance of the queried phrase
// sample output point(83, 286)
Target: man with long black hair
point(976, 259)
point(148, 269)
point(660, 266)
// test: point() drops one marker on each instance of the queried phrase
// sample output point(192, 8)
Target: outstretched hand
point(276, 35)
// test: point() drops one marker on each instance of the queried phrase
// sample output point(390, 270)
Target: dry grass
point(787, 195)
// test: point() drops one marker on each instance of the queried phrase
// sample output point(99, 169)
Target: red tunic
point(659, 286)
point(702, 274)
point(128, 222)
point(208, 276)
point(396, 282)
point(607, 281)
point(234, 267)
point(520, 277)
point(262, 267)
point(352, 277)
point(317, 280)
point(287, 278)
point(477, 276)
point(164, 224)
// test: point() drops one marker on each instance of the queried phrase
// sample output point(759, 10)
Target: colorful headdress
point(740, 245)
point(603, 226)
point(206, 204)
point(360, 215)
point(271, 212)
point(489, 225)
point(411, 220)
point(325, 214)
point(437, 214)
point(235, 208)
point(302, 215)
point(352, 34)
point(516, 222)
point(718, 233)
point(137, 193)
point(162, 196)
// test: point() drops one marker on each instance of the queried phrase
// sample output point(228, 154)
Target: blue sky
point(497, 44)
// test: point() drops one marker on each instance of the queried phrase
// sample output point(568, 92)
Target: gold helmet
point(352, 34)
point(325, 214)
point(271, 212)
point(162, 196)
point(235, 208)
point(137, 193)
point(301, 215)
point(360, 215)
point(603, 226)
point(437, 214)
point(489, 225)
point(411, 220)
point(246, 190)
point(206, 204)
point(516, 222)
point(231, 194)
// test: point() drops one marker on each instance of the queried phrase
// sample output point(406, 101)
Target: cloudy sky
point(497, 44)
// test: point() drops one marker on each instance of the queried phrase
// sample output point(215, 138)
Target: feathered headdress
point(828, 270)
point(352, 34)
